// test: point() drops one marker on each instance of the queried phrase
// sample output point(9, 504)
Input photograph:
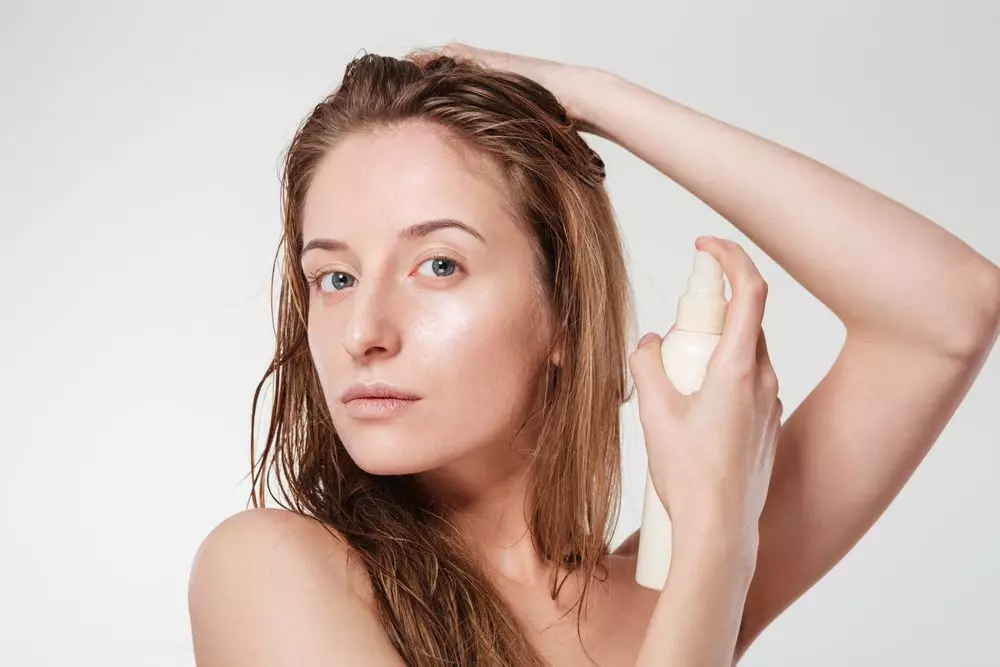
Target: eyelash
point(314, 278)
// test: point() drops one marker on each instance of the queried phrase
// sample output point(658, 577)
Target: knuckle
point(769, 381)
point(729, 245)
point(743, 371)
point(758, 288)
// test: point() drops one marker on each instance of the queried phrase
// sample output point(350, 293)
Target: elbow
point(975, 335)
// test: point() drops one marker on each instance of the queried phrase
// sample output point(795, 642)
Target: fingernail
point(648, 337)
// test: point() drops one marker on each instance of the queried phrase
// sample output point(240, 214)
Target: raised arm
point(920, 307)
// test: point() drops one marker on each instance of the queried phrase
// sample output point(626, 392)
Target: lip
point(378, 408)
point(377, 390)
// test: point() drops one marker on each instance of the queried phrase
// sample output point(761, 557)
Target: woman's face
point(445, 313)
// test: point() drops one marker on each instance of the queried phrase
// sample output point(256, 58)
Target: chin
point(388, 454)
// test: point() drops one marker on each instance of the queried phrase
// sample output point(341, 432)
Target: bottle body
point(685, 356)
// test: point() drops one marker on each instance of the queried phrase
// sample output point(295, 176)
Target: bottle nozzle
point(706, 265)
point(703, 307)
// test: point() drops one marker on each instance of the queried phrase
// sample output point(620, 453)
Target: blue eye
point(442, 266)
point(315, 280)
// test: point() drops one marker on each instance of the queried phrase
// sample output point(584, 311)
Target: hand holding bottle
point(711, 452)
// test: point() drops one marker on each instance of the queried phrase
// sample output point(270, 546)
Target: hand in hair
point(556, 76)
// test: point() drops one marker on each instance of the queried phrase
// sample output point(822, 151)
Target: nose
point(371, 331)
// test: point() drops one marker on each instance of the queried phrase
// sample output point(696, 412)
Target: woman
point(447, 232)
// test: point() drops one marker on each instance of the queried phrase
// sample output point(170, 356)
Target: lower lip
point(378, 408)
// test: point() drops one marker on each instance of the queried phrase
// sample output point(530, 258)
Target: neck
point(486, 497)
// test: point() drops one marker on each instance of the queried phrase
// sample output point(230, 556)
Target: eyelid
point(442, 251)
point(314, 277)
point(433, 253)
point(459, 266)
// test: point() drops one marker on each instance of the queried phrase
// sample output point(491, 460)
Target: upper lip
point(375, 390)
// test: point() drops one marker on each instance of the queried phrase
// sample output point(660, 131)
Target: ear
point(557, 352)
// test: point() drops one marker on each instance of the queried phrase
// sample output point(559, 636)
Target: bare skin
point(920, 322)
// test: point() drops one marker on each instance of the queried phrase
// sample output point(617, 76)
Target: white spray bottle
point(685, 351)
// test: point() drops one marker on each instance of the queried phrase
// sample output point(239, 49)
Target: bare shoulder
point(271, 587)
point(629, 546)
point(626, 611)
point(636, 598)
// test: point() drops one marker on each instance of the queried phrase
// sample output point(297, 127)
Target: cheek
point(329, 357)
point(451, 331)
point(471, 355)
point(477, 362)
point(473, 342)
point(321, 347)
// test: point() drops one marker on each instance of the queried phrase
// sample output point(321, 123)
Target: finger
point(483, 57)
point(746, 307)
point(456, 50)
point(422, 56)
point(651, 380)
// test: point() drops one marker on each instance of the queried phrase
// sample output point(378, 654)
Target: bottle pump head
point(703, 307)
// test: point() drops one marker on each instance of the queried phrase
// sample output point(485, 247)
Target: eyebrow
point(412, 232)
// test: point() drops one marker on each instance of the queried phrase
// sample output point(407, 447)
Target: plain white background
point(139, 215)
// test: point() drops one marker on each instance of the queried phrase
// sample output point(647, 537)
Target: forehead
point(391, 178)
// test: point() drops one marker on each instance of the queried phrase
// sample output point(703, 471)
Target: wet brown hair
point(430, 593)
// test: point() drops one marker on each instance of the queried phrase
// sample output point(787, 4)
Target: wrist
point(577, 87)
point(719, 543)
point(730, 567)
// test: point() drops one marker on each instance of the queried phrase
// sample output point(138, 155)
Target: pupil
point(439, 263)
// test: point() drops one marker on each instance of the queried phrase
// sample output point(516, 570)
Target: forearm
point(879, 266)
point(697, 618)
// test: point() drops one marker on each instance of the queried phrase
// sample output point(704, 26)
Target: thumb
point(651, 380)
